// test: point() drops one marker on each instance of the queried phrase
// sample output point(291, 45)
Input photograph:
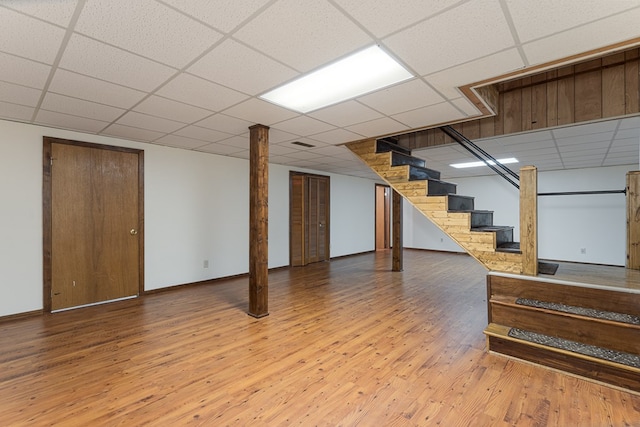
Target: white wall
point(196, 209)
point(566, 224)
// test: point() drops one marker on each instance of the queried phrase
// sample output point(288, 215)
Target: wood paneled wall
point(591, 90)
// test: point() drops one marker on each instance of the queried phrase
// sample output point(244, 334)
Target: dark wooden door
point(309, 219)
point(94, 239)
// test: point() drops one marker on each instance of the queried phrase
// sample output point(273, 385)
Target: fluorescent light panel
point(363, 72)
point(491, 162)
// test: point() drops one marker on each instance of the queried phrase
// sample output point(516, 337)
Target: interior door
point(383, 213)
point(317, 219)
point(309, 219)
point(95, 218)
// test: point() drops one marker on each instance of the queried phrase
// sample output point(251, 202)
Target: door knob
point(133, 232)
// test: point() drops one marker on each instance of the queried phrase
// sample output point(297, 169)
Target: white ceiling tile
point(173, 110)
point(472, 30)
point(221, 149)
point(382, 17)
point(378, 127)
point(240, 142)
point(281, 149)
point(625, 143)
point(17, 94)
point(23, 71)
point(224, 16)
point(202, 93)
point(336, 136)
point(544, 17)
point(619, 161)
point(129, 132)
point(628, 133)
point(630, 122)
point(346, 113)
point(147, 122)
point(18, 32)
point(180, 142)
point(332, 150)
point(402, 97)
point(579, 140)
point(257, 111)
point(66, 121)
point(79, 107)
point(586, 129)
point(16, 112)
point(84, 87)
point(277, 136)
point(236, 66)
point(427, 116)
point(466, 107)
point(203, 134)
point(96, 59)
point(490, 66)
point(147, 28)
point(57, 12)
point(303, 35)
point(304, 155)
point(303, 125)
point(601, 33)
point(225, 123)
point(245, 154)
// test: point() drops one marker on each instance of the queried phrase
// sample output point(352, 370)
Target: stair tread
point(495, 228)
point(565, 347)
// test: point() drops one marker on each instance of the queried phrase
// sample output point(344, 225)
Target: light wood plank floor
point(346, 343)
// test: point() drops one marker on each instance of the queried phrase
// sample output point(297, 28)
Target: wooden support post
point(258, 220)
point(633, 220)
point(529, 220)
point(397, 264)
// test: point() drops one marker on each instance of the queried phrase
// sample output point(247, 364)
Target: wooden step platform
point(542, 319)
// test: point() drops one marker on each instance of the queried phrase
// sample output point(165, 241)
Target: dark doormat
point(576, 347)
point(549, 268)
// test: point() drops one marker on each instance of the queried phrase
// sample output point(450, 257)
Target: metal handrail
point(464, 142)
point(578, 193)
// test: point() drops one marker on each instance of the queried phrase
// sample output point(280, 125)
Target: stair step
point(417, 173)
point(597, 368)
point(511, 247)
point(504, 234)
point(481, 218)
point(440, 188)
point(386, 144)
point(398, 159)
point(459, 203)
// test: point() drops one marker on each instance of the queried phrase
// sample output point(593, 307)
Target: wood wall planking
point(592, 90)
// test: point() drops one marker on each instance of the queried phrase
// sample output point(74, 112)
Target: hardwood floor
point(347, 342)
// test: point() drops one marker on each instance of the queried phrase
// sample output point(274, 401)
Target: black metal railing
point(512, 177)
point(483, 156)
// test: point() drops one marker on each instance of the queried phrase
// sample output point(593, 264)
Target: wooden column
point(529, 220)
point(397, 264)
point(633, 220)
point(258, 221)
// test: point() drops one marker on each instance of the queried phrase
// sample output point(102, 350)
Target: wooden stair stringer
point(457, 225)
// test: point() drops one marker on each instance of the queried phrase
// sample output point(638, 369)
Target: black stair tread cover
point(495, 228)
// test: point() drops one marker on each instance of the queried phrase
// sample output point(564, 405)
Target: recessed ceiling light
point(491, 162)
point(363, 72)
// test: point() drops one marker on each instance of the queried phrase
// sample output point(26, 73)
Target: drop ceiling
point(188, 74)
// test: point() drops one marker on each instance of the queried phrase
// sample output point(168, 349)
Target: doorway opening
point(383, 217)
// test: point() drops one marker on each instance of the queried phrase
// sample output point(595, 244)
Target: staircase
point(473, 230)
point(577, 328)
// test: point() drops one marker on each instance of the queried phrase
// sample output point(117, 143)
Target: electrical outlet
point(205, 264)
point(583, 251)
